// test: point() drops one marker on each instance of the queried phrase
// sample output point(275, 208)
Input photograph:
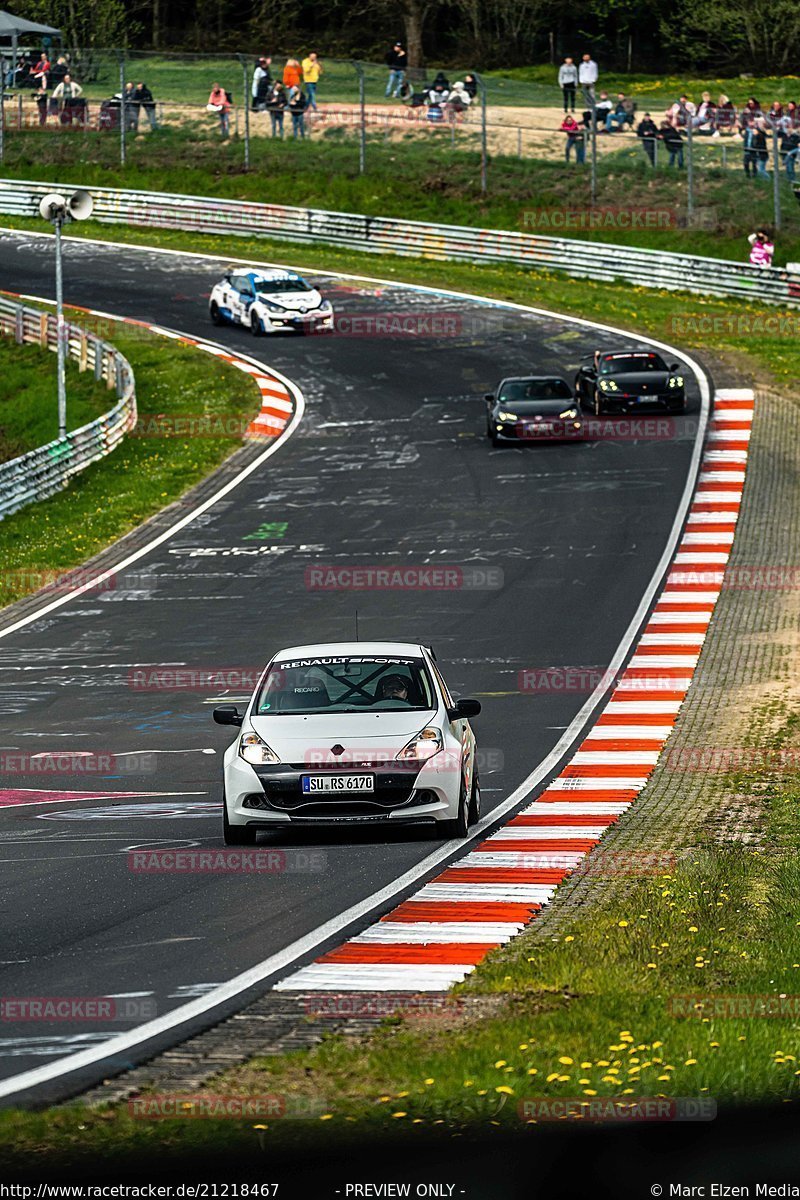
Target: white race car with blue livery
point(268, 302)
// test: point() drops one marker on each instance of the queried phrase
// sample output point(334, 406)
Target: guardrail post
point(61, 335)
point(246, 102)
point(98, 359)
point(776, 180)
point(123, 111)
point(362, 132)
point(689, 171)
point(519, 141)
point(19, 325)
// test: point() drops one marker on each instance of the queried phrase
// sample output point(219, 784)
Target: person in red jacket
point(292, 74)
point(575, 141)
point(218, 102)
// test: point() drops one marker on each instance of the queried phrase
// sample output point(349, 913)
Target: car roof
point(529, 378)
point(629, 354)
point(358, 649)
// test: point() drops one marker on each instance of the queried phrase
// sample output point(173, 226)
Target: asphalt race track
point(389, 466)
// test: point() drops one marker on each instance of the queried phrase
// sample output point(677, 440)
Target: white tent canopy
point(13, 28)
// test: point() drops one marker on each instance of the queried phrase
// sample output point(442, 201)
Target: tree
point(84, 23)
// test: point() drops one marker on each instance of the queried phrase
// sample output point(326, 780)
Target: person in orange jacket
point(292, 74)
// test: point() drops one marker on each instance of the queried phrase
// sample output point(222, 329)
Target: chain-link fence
point(127, 96)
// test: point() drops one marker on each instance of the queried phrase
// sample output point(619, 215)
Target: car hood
point(296, 301)
point(310, 739)
point(538, 408)
point(641, 382)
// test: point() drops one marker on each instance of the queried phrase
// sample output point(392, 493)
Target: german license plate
point(648, 399)
point(338, 783)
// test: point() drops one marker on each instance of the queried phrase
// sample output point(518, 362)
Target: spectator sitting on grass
point(276, 103)
point(471, 86)
point(218, 102)
point(262, 82)
point(621, 115)
point(459, 97)
point(59, 70)
point(40, 70)
point(292, 74)
point(297, 103)
point(602, 108)
point(750, 113)
point(704, 120)
point(725, 115)
point(312, 69)
point(791, 117)
point(681, 113)
point(438, 91)
point(647, 130)
point(575, 141)
point(775, 115)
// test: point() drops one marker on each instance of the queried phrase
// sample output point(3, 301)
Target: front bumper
point(299, 321)
point(554, 430)
point(269, 796)
point(675, 400)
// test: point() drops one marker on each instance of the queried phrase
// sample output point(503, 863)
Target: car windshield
point(346, 684)
point(271, 286)
point(517, 390)
point(628, 364)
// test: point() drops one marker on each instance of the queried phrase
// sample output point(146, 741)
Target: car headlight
point(568, 414)
point(270, 307)
point(325, 306)
point(423, 745)
point(507, 416)
point(676, 381)
point(608, 385)
point(255, 750)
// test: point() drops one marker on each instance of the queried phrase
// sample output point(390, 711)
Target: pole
point(594, 148)
point(689, 171)
point(776, 179)
point(2, 111)
point(246, 93)
point(519, 141)
point(60, 335)
point(362, 131)
point(484, 154)
point(123, 111)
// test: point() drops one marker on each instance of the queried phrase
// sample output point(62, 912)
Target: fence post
point(484, 156)
point(2, 114)
point(362, 132)
point(246, 102)
point(689, 171)
point(123, 110)
point(776, 179)
point(519, 141)
point(593, 135)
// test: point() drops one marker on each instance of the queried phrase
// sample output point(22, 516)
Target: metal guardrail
point(46, 470)
point(385, 235)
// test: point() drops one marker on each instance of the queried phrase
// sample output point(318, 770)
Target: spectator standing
point(760, 148)
point(397, 62)
point(471, 86)
point(42, 102)
point(587, 77)
point(791, 117)
point(568, 82)
point(262, 82)
point(276, 104)
point(144, 97)
point(647, 130)
point(219, 102)
point(67, 95)
point(749, 157)
point(575, 141)
point(131, 108)
point(790, 151)
point(292, 74)
point(297, 104)
point(312, 69)
point(673, 143)
point(762, 248)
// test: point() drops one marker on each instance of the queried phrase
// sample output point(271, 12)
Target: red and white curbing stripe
point(277, 405)
point(437, 936)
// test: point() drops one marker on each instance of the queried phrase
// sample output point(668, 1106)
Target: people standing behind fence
point(587, 77)
point(760, 147)
point(69, 96)
point(397, 62)
point(297, 104)
point(471, 86)
point(292, 74)
point(42, 101)
point(574, 141)
point(220, 102)
point(568, 82)
point(262, 82)
point(142, 96)
point(762, 248)
point(276, 104)
point(312, 69)
point(647, 130)
point(790, 151)
point(670, 135)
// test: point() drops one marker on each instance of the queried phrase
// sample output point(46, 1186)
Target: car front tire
point(256, 326)
point(459, 828)
point(236, 835)
point(474, 814)
point(214, 313)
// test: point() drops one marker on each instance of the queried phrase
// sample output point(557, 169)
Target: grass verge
point(144, 474)
point(28, 405)
point(406, 179)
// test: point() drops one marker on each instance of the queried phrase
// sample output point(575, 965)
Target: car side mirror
point(227, 714)
point(674, 367)
point(464, 709)
point(489, 397)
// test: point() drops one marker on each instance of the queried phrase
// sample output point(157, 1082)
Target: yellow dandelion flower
point(565, 1061)
point(506, 1091)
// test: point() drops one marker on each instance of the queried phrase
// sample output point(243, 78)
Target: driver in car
point(393, 687)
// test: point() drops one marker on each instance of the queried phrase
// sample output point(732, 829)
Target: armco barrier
point(41, 472)
point(385, 235)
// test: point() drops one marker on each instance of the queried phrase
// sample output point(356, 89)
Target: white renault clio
point(355, 733)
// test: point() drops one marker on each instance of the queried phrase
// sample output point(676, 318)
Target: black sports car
point(627, 380)
point(532, 408)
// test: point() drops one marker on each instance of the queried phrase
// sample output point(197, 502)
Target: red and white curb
point(438, 935)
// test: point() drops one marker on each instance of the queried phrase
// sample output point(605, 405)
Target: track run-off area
point(561, 550)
